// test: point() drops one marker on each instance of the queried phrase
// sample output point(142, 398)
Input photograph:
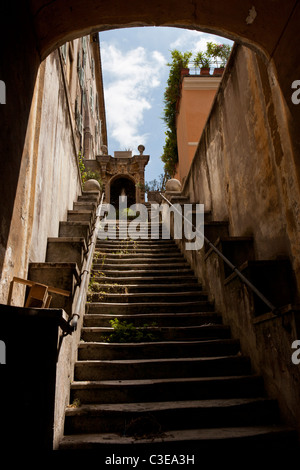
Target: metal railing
point(195, 70)
point(227, 261)
point(86, 272)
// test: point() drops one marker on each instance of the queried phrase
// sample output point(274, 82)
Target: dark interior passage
point(122, 186)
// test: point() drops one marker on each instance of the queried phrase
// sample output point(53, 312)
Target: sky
point(135, 74)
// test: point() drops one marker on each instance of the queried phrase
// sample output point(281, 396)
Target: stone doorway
point(122, 186)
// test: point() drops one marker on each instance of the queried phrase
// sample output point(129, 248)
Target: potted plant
point(184, 72)
point(221, 53)
point(202, 61)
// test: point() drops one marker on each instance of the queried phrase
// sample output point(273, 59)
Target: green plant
point(202, 59)
point(94, 175)
point(88, 174)
point(153, 185)
point(76, 403)
point(219, 51)
point(126, 212)
point(172, 93)
point(125, 332)
point(82, 169)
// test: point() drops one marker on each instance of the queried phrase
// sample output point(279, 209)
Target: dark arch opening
point(119, 186)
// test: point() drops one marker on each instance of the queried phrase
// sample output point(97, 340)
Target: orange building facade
point(197, 96)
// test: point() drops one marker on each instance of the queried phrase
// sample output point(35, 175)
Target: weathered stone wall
point(244, 173)
point(49, 180)
point(243, 170)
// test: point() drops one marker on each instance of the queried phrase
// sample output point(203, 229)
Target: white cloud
point(195, 41)
point(130, 78)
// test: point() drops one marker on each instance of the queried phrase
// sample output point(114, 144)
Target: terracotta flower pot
point(219, 71)
point(205, 71)
point(184, 72)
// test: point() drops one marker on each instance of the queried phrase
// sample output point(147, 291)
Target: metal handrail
point(227, 261)
point(86, 272)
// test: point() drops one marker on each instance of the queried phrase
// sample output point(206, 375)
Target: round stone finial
point(173, 185)
point(92, 185)
point(141, 149)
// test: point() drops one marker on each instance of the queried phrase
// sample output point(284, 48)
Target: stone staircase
point(189, 389)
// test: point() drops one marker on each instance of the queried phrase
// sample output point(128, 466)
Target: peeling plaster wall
point(244, 170)
point(245, 173)
point(49, 180)
point(57, 183)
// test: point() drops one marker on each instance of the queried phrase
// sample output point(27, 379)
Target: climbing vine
point(170, 152)
point(88, 174)
point(215, 53)
point(82, 169)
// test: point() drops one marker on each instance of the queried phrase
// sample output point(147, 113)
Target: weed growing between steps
point(76, 403)
point(98, 291)
point(125, 332)
point(144, 427)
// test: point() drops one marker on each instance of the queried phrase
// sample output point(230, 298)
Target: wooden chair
point(38, 295)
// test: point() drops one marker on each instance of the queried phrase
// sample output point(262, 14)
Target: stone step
point(80, 215)
point(136, 297)
point(148, 243)
point(153, 252)
point(122, 255)
point(164, 319)
point(273, 278)
point(165, 333)
point(162, 368)
point(174, 415)
point(85, 205)
point(161, 244)
point(125, 222)
point(124, 236)
point(236, 249)
point(188, 279)
point(146, 288)
point(91, 196)
point(186, 442)
point(188, 388)
point(150, 307)
point(114, 238)
point(61, 275)
point(108, 261)
point(66, 250)
point(75, 229)
point(213, 230)
point(120, 224)
point(115, 273)
point(115, 351)
point(133, 225)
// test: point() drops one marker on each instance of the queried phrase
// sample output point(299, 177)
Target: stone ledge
point(63, 275)
point(66, 249)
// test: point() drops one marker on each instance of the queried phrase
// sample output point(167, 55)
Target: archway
point(270, 27)
point(122, 186)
